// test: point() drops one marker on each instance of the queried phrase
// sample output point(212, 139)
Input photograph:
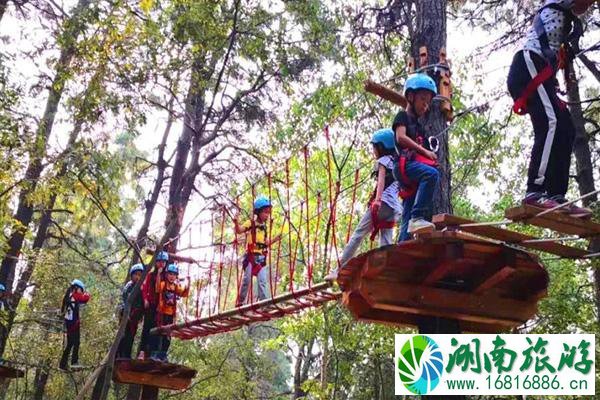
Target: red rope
point(316, 240)
point(307, 255)
point(221, 255)
point(355, 186)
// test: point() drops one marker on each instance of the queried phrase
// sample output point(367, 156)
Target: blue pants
point(418, 205)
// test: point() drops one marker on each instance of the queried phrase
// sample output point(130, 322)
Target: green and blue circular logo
point(420, 364)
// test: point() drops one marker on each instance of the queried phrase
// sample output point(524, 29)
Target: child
point(150, 300)
point(135, 315)
point(257, 247)
point(168, 292)
point(4, 313)
point(416, 172)
point(532, 84)
point(384, 206)
point(73, 299)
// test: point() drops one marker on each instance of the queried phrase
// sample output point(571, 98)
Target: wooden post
point(423, 56)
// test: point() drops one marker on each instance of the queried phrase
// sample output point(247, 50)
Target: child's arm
point(274, 240)
point(380, 186)
point(239, 229)
point(146, 291)
point(405, 141)
point(183, 291)
point(81, 297)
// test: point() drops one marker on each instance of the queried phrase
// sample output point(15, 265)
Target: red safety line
point(221, 255)
point(316, 240)
point(272, 287)
point(354, 187)
point(307, 255)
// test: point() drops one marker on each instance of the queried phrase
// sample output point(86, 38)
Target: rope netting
point(314, 195)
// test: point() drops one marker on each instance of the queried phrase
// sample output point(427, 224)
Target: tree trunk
point(585, 170)
point(24, 213)
point(430, 31)
point(3, 7)
point(40, 381)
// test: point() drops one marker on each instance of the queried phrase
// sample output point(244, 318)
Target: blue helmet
point(2, 288)
point(420, 82)
point(260, 203)
point(162, 256)
point(136, 268)
point(78, 283)
point(384, 137)
point(173, 268)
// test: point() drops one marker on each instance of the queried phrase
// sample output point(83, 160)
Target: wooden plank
point(437, 302)
point(494, 279)
point(10, 372)
point(508, 236)
point(555, 220)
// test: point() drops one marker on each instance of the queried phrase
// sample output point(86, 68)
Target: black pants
point(149, 323)
point(73, 338)
point(126, 343)
point(553, 128)
point(164, 342)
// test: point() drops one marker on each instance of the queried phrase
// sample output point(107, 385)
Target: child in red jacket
point(73, 299)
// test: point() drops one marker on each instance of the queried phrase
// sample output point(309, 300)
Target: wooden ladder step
point(508, 236)
point(555, 220)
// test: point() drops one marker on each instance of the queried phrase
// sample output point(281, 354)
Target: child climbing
point(416, 168)
point(169, 291)
point(549, 46)
point(75, 296)
point(257, 247)
point(384, 206)
point(150, 300)
point(136, 313)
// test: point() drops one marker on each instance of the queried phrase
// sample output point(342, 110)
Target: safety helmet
point(162, 256)
point(78, 283)
point(173, 268)
point(420, 82)
point(260, 203)
point(136, 268)
point(2, 287)
point(384, 137)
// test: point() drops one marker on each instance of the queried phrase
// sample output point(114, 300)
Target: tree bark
point(430, 31)
point(3, 7)
point(24, 213)
point(585, 170)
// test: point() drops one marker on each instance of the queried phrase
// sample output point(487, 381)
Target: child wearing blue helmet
point(136, 313)
point(417, 171)
point(168, 292)
point(384, 206)
point(257, 248)
point(75, 296)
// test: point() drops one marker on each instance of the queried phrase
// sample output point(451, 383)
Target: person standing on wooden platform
point(550, 45)
point(74, 298)
point(416, 169)
point(150, 300)
point(384, 207)
point(135, 315)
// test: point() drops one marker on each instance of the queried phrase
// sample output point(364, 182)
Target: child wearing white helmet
point(136, 313)
point(75, 296)
point(384, 206)
point(416, 170)
point(257, 247)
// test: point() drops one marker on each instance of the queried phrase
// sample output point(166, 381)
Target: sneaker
point(572, 209)
point(141, 355)
point(419, 225)
point(540, 200)
point(76, 366)
point(332, 275)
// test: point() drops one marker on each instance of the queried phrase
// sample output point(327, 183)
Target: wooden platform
point(488, 287)
point(153, 373)
point(265, 310)
point(9, 372)
point(556, 221)
point(453, 222)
